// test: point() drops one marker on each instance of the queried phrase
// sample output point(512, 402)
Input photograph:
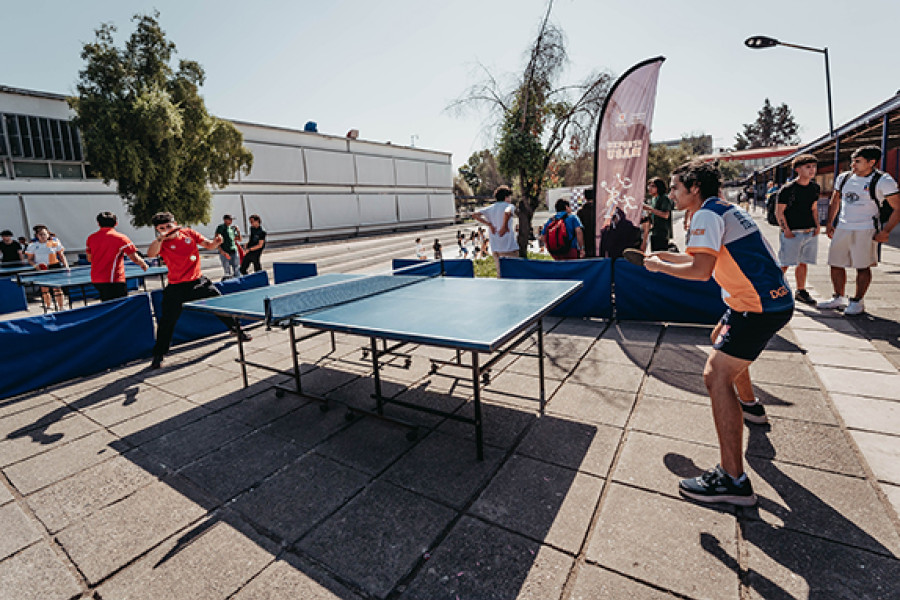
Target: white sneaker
point(856, 307)
point(835, 302)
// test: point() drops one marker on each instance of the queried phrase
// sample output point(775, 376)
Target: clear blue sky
point(389, 68)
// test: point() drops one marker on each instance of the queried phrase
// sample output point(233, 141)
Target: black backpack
point(885, 210)
point(771, 203)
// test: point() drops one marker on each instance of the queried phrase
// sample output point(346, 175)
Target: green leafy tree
point(536, 116)
point(662, 159)
point(482, 173)
point(145, 126)
point(772, 127)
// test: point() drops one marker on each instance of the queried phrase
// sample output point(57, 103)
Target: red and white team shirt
point(107, 248)
point(182, 255)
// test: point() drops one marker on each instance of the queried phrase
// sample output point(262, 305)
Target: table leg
point(378, 399)
point(476, 385)
point(540, 337)
point(241, 360)
point(295, 359)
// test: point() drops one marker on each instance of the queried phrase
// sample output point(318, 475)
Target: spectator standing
point(254, 246)
point(11, 251)
point(797, 212)
point(438, 255)
point(47, 252)
point(574, 233)
point(106, 251)
point(726, 243)
point(660, 207)
point(420, 250)
point(588, 216)
point(228, 250)
point(859, 230)
point(180, 249)
point(498, 218)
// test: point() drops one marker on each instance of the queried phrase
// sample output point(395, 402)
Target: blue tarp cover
point(457, 267)
point(285, 271)
point(12, 297)
point(592, 300)
point(645, 296)
point(194, 325)
point(55, 347)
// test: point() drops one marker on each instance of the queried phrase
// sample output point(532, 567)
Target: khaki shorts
point(853, 249)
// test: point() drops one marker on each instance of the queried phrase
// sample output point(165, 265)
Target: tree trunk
point(524, 212)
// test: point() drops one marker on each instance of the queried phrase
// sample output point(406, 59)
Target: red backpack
point(559, 241)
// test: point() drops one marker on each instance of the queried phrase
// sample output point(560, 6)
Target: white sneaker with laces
point(856, 307)
point(835, 302)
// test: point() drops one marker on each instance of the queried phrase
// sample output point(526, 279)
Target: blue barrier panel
point(592, 300)
point(12, 297)
point(74, 343)
point(645, 296)
point(91, 292)
point(290, 271)
point(195, 325)
point(456, 267)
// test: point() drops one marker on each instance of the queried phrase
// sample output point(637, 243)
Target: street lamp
point(759, 42)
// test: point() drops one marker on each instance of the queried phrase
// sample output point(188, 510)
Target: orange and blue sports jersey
point(745, 269)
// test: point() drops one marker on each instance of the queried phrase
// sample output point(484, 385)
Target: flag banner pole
point(622, 146)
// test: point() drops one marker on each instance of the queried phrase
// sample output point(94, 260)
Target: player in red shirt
point(106, 250)
point(179, 247)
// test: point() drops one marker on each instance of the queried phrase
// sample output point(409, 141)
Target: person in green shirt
point(228, 251)
point(660, 207)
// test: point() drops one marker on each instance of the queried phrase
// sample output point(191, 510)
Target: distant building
point(303, 185)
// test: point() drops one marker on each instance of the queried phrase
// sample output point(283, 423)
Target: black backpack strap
point(846, 175)
point(876, 175)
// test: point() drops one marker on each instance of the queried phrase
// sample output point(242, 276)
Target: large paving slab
point(577, 445)
point(869, 414)
point(377, 538)
point(37, 573)
point(19, 530)
point(54, 433)
point(594, 583)
point(478, 560)
point(882, 452)
point(544, 502)
point(114, 536)
point(860, 383)
point(786, 564)
point(674, 544)
point(591, 404)
point(292, 577)
point(209, 562)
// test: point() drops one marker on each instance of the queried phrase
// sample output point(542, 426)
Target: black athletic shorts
point(745, 334)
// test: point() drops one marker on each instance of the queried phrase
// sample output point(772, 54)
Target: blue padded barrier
point(285, 271)
point(58, 346)
point(592, 300)
point(12, 297)
point(645, 296)
point(456, 267)
point(194, 325)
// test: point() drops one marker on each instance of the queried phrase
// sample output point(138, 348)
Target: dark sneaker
point(243, 335)
point(754, 413)
point(717, 486)
point(157, 363)
point(804, 297)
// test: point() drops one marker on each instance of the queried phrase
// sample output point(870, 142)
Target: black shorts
point(745, 334)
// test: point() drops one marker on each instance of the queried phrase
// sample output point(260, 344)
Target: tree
point(482, 173)
point(662, 159)
point(536, 116)
point(145, 126)
point(773, 127)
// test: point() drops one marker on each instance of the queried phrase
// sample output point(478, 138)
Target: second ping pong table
point(80, 277)
point(478, 316)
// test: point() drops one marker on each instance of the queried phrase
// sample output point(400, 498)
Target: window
point(3, 169)
point(76, 144)
point(35, 133)
point(3, 151)
point(56, 130)
point(66, 171)
point(27, 170)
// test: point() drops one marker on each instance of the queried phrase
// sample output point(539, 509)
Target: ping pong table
point(14, 269)
point(478, 316)
point(80, 277)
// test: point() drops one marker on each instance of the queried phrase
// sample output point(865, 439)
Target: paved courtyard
point(183, 484)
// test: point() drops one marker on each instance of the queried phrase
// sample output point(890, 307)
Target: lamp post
point(759, 42)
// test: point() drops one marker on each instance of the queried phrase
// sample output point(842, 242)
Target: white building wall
point(303, 185)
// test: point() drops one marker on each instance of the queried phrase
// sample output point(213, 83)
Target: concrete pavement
point(181, 484)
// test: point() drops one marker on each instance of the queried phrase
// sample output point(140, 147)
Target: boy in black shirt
point(254, 246)
point(11, 249)
point(798, 217)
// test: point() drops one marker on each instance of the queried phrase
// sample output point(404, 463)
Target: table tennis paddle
point(634, 256)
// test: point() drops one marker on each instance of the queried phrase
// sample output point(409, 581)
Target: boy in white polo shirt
point(855, 238)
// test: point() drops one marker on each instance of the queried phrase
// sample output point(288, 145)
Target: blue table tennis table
point(478, 316)
point(14, 269)
point(80, 278)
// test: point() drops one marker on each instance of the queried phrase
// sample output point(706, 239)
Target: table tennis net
point(280, 309)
